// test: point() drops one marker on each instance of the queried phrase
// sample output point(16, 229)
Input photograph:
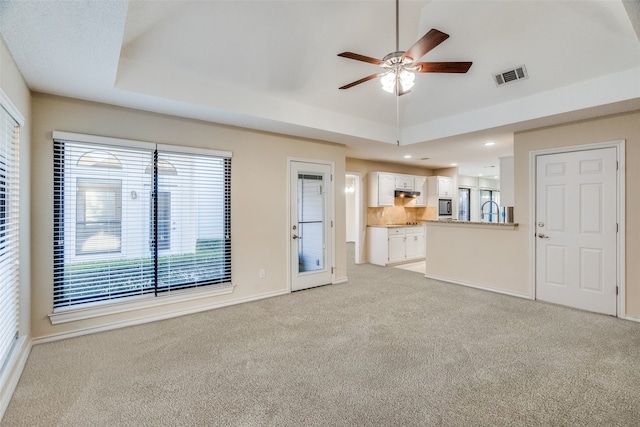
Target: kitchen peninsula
point(476, 254)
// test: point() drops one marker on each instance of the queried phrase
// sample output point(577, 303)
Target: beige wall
point(259, 196)
point(613, 128)
point(490, 257)
point(363, 167)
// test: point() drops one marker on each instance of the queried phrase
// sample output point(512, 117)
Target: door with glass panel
point(310, 225)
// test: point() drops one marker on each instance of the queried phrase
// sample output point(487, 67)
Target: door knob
point(542, 236)
point(294, 237)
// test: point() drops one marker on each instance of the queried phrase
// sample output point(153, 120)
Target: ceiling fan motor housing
point(395, 57)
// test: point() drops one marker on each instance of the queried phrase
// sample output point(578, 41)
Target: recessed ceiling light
point(407, 156)
point(454, 164)
point(479, 174)
point(487, 144)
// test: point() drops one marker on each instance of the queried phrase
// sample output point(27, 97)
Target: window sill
point(73, 314)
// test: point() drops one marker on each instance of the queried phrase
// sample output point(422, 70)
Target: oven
point(444, 207)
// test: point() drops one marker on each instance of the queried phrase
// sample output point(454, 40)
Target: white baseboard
point(478, 286)
point(633, 319)
point(156, 317)
point(12, 372)
point(338, 280)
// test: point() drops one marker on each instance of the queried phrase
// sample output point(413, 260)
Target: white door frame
point(359, 220)
point(331, 209)
point(621, 203)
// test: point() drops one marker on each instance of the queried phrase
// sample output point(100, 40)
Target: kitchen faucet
point(490, 212)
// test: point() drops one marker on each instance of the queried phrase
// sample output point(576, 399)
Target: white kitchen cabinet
point(445, 186)
point(404, 182)
point(396, 252)
point(382, 186)
point(381, 189)
point(395, 245)
point(415, 243)
point(420, 184)
point(439, 187)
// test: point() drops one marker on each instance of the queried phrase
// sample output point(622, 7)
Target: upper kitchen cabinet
point(381, 189)
point(445, 186)
point(440, 187)
point(405, 182)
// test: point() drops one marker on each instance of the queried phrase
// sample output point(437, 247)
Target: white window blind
point(9, 227)
point(134, 222)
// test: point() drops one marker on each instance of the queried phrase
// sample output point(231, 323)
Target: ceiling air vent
point(510, 76)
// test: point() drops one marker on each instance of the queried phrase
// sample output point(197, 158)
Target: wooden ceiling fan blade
point(430, 40)
point(359, 57)
point(443, 67)
point(362, 80)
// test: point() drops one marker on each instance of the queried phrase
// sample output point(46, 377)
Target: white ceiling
point(273, 66)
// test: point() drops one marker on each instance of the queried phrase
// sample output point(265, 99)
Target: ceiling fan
point(399, 66)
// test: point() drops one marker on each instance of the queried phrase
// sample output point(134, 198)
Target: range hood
point(406, 193)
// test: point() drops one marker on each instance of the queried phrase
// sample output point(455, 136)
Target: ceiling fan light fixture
point(388, 81)
point(402, 77)
point(407, 79)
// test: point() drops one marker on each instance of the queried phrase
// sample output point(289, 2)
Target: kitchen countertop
point(507, 225)
point(397, 225)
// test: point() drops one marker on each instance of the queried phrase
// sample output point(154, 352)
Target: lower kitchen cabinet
point(395, 245)
point(415, 244)
point(396, 248)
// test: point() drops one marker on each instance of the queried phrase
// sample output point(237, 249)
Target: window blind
point(134, 222)
point(200, 247)
point(9, 227)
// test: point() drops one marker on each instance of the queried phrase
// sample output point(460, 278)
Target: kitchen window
point(489, 205)
point(464, 204)
point(137, 220)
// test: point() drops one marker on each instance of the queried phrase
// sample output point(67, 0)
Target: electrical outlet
point(262, 273)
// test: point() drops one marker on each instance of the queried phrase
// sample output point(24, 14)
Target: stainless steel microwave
point(444, 207)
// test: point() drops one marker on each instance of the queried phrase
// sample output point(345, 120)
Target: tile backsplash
point(398, 214)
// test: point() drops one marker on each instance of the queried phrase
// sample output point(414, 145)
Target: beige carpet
point(389, 348)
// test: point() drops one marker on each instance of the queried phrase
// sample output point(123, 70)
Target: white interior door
point(576, 229)
point(310, 226)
